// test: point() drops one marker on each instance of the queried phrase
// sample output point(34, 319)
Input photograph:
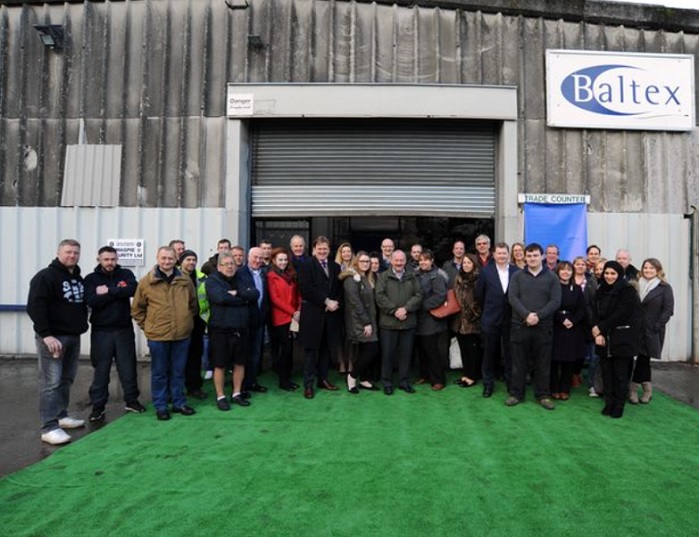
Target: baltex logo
point(620, 90)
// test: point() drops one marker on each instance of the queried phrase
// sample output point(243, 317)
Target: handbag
point(455, 361)
point(450, 307)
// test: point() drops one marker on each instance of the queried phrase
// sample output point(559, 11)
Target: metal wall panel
point(31, 235)
point(92, 176)
point(665, 237)
point(150, 75)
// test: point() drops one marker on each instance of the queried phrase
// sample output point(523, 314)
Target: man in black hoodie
point(56, 305)
point(108, 291)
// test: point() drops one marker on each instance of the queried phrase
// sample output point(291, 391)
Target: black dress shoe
point(257, 388)
point(308, 393)
point(388, 390)
point(327, 385)
point(162, 415)
point(184, 410)
point(354, 390)
point(222, 404)
point(240, 400)
point(487, 391)
point(407, 388)
point(244, 394)
point(197, 394)
point(288, 387)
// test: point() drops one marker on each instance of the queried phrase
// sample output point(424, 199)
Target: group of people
point(516, 315)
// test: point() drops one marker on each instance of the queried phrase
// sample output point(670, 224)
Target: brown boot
point(633, 393)
point(647, 394)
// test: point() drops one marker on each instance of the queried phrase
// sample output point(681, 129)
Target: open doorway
point(366, 232)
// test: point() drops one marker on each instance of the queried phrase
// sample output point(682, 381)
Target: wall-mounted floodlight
point(51, 35)
point(255, 41)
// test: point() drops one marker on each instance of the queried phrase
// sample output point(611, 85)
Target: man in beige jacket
point(163, 307)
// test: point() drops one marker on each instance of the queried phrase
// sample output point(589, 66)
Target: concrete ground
point(21, 445)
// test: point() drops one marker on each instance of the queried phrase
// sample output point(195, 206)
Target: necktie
point(324, 264)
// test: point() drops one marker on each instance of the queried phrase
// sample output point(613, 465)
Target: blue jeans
point(167, 362)
point(56, 376)
point(592, 364)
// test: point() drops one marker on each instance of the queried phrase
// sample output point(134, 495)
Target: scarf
point(646, 286)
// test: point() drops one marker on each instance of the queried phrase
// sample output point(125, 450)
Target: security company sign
point(130, 251)
point(602, 90)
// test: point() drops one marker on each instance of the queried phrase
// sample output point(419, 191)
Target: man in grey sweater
point(535, 296)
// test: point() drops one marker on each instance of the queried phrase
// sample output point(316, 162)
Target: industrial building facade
point(416, 120)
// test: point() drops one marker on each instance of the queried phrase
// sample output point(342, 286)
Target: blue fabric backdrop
point(563, 225)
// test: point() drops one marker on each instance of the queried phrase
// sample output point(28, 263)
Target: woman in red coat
point(285, 305)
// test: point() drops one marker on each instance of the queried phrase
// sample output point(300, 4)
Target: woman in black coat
point(616, 331)
point(568, 332)
point(657, 306)
point(360, 320)
point(430, 328)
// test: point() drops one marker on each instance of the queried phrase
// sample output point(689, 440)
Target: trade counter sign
point(602, 90)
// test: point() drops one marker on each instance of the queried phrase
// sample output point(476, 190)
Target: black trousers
point(615, 375)
point(365, 354)
point(531, 344)
point(282, 348)
point(431, 356)
point(316, 362)
point(562, 376)
point(470, 347)
point(496, 347)
point(396, 347)
point(641, 373)
point(192, 371)
point(118, 346)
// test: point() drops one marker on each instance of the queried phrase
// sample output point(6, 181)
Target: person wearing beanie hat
point(616, 330)
point(193, 381)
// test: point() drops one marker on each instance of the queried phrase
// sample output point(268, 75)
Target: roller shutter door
point(348, 167)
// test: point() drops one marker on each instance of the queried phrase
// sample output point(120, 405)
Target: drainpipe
point(694, 275)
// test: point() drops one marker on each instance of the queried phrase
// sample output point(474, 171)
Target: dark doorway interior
point(366, 232)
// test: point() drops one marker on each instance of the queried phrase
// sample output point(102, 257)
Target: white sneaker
point(56, 437)
point(70, 423)
point(208, 375)
point(592, 393)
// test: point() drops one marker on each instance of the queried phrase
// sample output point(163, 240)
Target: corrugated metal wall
point(151, 75)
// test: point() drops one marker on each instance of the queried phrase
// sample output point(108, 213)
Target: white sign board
point(240, 104)
point(130, 251)
point(604, 90)
point(554, 199)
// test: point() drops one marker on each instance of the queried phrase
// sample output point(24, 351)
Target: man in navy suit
point(253, 275)
point(491, 293)
point(320, 327)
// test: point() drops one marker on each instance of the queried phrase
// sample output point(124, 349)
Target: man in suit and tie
point(491, 293)
point(252, 275)
point(321, 319)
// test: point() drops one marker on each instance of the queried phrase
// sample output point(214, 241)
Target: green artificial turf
point(432, 463)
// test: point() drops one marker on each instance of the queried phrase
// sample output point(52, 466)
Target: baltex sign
point(601, 90)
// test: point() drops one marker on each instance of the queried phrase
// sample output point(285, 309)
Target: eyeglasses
point(227, 265)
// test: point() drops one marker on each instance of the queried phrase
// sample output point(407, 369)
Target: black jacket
point(56, 301)
point(246, 280)
point(618, 317)
point(657, 307)
point(113, 310)
point(315, 287)
point(229, 312)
